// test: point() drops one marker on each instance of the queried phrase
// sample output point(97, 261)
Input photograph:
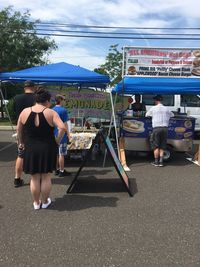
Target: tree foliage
point(20, 47)
point(113, 65)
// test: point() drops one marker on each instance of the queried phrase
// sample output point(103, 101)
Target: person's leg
point(18, 168)
point(45, 186)
point(62, 154)
point(57, 166)
point(35, 188)
point(156, 147)
point(161, 153)
point(61, 162)
point(163, 144)
point(156, 155)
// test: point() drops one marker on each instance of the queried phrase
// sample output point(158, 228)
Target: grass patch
point(5, 122)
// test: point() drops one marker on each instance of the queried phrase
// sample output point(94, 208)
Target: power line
point(116, 37)
point(115, 33)
point(109, 37)
point(111, 33)
point(114, 27)
point(63, 32)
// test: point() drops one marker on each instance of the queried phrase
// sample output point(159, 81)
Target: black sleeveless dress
point(40, 145)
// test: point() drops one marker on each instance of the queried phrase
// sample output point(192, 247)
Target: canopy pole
point(7, 112)
point(9, 145)
point(112, 120)
point(122, 155)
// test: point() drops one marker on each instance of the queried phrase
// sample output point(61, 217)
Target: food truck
point(157, 71)
point(136, 131)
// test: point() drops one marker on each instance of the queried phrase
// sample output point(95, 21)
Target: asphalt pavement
point(98, 224)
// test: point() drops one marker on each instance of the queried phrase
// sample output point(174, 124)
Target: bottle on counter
point(129, 111)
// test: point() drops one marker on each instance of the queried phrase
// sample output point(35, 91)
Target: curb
point(7, 127)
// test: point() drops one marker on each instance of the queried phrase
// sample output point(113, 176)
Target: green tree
point(20, 47)
point(113, 65)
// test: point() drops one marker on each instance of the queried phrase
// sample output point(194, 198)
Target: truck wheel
point(197, 135)
point(168, 153)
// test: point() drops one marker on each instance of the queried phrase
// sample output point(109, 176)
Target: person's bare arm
point(149, 113)
point(20, 140)
point(60, 125)
point(67, 131)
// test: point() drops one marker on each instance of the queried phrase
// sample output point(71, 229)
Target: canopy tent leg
point(120, 141)
point(112, 120)
point(7, 112)
point(11, 124)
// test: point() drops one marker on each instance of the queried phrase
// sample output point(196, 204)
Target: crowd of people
point(42, 135)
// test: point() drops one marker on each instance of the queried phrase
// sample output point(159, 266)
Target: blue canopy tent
point(58, 73)
point(157, 85)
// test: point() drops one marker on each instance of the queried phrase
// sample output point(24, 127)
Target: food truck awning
point(155, 85)
point(58, 73)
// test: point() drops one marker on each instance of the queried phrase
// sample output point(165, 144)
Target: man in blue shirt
point(62, 112)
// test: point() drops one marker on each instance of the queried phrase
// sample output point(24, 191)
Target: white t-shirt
point(160, 115)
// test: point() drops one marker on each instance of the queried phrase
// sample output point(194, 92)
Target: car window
point(190, 100)
point(168, 100)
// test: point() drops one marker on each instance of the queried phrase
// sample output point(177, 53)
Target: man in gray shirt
point(160, 121)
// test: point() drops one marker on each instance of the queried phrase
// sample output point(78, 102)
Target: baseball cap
point(158, 97)
point(29, 83)
point(59, 97)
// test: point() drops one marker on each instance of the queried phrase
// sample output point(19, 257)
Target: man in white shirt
point(160, 121)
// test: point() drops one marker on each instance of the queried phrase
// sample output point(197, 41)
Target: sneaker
point(46, 205)
point(155, 164)
point(64, 173)
point(37, 206)
point(18, 182)
point(161, 164)
point(57, 172)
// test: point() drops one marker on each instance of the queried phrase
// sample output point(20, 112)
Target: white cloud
point(133, 13)
point(77, 56)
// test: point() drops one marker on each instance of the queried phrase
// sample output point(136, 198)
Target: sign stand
point(197, 156)
point(122, 153)
point(118, 166)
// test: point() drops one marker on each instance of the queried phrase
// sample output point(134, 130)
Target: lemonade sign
point(88, 103)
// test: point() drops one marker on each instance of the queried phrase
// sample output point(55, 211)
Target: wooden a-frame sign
point(118, 166)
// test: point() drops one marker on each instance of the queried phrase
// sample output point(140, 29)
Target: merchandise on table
point(81, 140)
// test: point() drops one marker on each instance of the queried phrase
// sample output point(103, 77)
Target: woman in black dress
point(40, 146)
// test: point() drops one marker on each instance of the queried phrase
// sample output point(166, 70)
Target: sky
point(90, 52)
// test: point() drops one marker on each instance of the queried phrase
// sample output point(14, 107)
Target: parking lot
point(99, 224)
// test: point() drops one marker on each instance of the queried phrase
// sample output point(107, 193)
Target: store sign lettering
point(162, 62)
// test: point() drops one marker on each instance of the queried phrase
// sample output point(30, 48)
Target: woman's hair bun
point(40, 90)
point(42, 95)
